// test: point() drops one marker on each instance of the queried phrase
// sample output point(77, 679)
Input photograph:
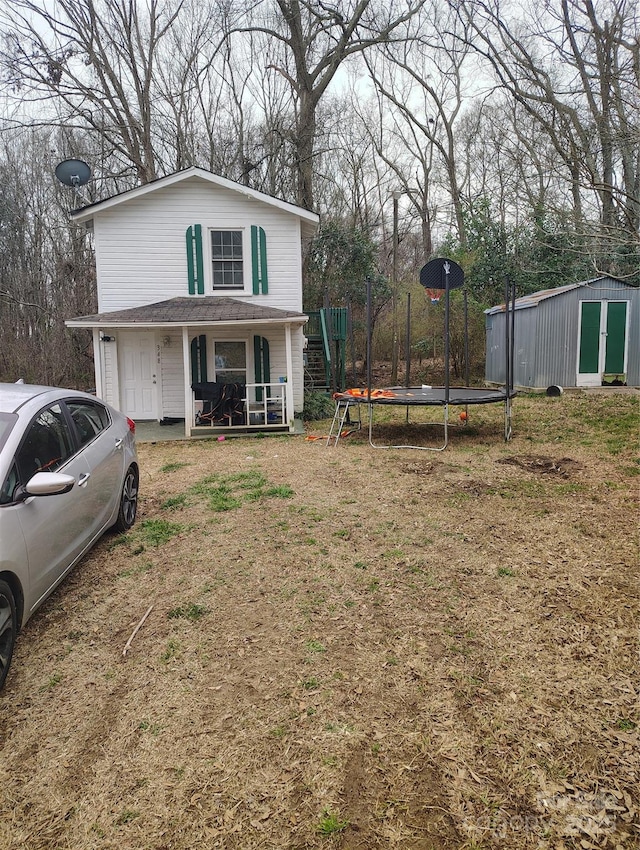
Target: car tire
point(128, 501)
point(8, 629)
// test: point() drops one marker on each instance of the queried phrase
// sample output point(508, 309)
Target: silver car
point(68, 472)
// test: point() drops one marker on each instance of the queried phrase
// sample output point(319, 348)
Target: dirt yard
point(348, 648)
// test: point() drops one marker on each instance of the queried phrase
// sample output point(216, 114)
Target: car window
point(47, 443)
point(90, 418)
point(9, 485)
point(7, 421)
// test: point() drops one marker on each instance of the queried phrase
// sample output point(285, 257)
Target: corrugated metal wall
point(524, 355)
point(633, 366)
point(494, 345)
point(546, 337)
point(557, 340)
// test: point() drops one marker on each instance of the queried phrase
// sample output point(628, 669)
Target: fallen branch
point(136, 630)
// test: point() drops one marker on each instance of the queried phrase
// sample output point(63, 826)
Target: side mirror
point(46, 484)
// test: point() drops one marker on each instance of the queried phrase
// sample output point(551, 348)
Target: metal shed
point(579, 335)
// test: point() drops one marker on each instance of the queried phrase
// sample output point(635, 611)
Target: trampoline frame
point(445, 396)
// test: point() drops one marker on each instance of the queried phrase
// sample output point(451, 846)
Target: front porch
point(225, 410)
point(155, 432)
point(220, 408)
point(149, 359)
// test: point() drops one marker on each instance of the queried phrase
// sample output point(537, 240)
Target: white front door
point(138, 375)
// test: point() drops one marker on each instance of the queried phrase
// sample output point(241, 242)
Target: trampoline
point(416, 397)
point(430, 396)
point(445, 275)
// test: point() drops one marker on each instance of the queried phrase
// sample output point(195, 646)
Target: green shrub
point(317, 405)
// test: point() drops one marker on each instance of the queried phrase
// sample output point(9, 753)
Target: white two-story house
point(200, 303)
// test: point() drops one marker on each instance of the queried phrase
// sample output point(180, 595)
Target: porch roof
point(190, 311)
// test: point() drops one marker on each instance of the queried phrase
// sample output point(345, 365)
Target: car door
point(56, 529)
point(102, 445)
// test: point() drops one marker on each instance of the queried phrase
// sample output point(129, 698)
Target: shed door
point(602, 344)
point(616, 336)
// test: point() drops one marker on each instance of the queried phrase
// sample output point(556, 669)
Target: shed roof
point(535, 298)
point(189, 311)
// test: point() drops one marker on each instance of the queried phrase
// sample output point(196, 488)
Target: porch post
point(186, 366)
point(288, 387)
point(98, 364)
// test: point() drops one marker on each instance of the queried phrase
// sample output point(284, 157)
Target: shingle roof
point(189, 311)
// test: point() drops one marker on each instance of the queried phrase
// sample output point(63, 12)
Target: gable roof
point(535, 298)
point(190, 311)
point(88, 212)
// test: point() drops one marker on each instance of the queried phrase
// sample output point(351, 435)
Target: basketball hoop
point(434, 295)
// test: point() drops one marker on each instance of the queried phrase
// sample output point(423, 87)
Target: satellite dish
point(73, 172)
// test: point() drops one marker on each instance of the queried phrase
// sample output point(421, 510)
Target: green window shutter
point(257, 363)
point(257, 358)
point(191, 274)
point(195, 265)
point(203, 358)
point(259, 260)
point(266, 365)
point(263, 266)
point(255, 261)
point(195, 372)
point(261, 363)
point(199, 360)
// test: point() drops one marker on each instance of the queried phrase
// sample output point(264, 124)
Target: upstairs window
point(226, 258)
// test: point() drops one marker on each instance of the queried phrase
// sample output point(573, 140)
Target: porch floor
point(154, 432)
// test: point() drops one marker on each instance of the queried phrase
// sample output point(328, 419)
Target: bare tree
point(315, 39)
point(420, 82)
point(46, 267)
point(94, 64)
point(575, 68)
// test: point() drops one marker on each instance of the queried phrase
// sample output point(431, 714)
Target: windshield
point(7, 421)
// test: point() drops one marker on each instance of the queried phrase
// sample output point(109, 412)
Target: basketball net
point(434, 295)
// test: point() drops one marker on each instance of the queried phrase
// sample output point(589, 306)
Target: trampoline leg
point(446, 426)
point(507, 419)
point(371, 443)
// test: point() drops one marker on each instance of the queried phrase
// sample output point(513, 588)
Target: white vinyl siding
point(172, 375)
point(171, 370)
point(140, 245)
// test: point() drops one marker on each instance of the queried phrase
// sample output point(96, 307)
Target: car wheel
point(8, 629)
point(128, 501)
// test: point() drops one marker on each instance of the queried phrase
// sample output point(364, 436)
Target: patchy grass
point(330, 824)
point(229, 492)
point(189, 611)
point(156, 532)
point(399, 649)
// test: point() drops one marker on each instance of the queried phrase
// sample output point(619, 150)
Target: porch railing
point(261, 406)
